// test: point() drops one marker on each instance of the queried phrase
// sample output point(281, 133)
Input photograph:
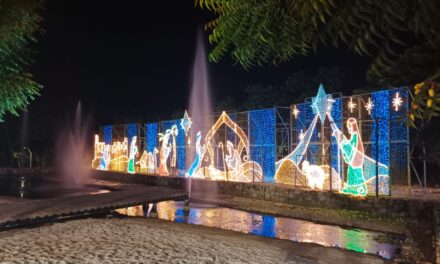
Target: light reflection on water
point(270, 226)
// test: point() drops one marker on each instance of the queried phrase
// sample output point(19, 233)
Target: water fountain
point(71, 152)
point(200, 107)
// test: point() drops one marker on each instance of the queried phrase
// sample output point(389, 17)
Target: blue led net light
point(151, 136)
point(262, 140)
point(337, 118)
point(304, 120)
point(230, 134)
point(107, 131)
point(180, 143)
point(399, 139)
point(381, 115)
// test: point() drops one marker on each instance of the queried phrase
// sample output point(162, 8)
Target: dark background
point(131, 61)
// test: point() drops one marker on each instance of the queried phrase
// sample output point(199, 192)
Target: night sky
point(132, 60)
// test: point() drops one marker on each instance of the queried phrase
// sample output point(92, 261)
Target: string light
point(351, 105)
point(369, 106)
point(397, 102)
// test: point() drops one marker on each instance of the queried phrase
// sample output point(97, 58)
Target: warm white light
point(397, 102)
point(351, 105)
point(295, 112)
point(369, 105)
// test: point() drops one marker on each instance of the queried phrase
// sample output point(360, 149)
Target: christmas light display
point(341, 152)
point(238, 167)
point(166, 149)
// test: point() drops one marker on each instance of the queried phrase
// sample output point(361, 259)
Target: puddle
point(385, 245)
point(43, 187)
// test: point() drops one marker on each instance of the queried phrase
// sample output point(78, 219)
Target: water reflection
point(271, 226)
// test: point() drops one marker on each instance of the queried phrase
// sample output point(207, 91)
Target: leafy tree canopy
point(403, 37)
point(257, 32)
point(19, 24)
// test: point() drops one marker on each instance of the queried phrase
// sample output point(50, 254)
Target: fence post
point(377, 156)
point(330, 164)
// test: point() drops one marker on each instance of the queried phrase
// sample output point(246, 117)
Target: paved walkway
point(48, 209)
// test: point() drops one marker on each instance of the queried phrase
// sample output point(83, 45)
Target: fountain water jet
point(200, 107)
point(71, 151)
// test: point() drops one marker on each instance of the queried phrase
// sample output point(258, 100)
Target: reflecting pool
point(364, 241)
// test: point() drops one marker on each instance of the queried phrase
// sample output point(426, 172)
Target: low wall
point(285, 194)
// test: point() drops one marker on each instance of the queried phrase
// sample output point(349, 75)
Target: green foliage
point(19, 24)
point(258, 32)
point(401, 36)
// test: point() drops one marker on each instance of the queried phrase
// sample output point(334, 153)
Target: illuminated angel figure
point(131, 157)
point(353, 154)
point(200, 152)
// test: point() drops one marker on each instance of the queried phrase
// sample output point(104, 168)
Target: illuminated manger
point(353, 145)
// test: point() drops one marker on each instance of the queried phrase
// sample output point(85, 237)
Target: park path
point(25, 211)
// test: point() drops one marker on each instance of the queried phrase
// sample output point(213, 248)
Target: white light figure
point(301, 135)
point(351, 105)
point(132, 155)
point(315, 175)
point(295, 111)
point(152, 160)
point(164, 152)
point(369, 106)
point(105, 159)
point(397, 102)
point(174, 134)
point(200, 152)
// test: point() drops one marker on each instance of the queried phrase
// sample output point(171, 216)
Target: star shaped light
point(351, 105)
point(397, 102)
point(185, 123)
point(295, 112)
point(322, 104)
point(369, 106)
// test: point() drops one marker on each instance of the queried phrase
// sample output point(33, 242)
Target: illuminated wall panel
point(151, 136)
point(381, 113)
point(262, 125)
point(107, 134)
point(337, 118)
point(304, 120)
